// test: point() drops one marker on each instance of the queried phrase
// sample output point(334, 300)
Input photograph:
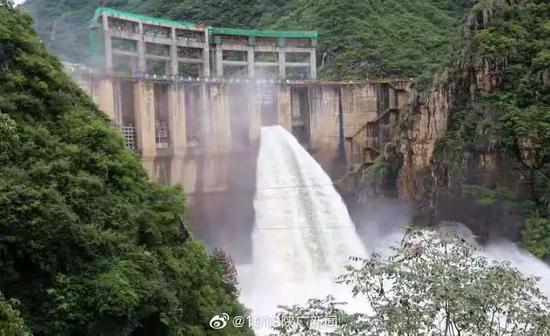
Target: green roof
point(213, 30)
point(149, 19)
point(263, 33)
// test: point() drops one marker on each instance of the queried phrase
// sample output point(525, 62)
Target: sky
point(18, 2)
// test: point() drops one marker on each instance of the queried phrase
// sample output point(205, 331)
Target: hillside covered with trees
point(88, 245)
point(357, 39)
point(476, 149)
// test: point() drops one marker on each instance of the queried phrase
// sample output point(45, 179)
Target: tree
point(432, 284)
point(11, 323)
point(88, 244)
point(228, 269)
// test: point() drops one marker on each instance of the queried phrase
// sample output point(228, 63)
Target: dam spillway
point(302, 235)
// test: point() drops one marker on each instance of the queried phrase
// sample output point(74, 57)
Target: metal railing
point(129, 133)
point(162, 137)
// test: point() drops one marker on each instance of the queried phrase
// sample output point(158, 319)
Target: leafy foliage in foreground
point(11, 323)
point(357, 38)
point(432, 284)
point(88, 245)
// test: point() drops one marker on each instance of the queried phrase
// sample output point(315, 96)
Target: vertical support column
point(217, 143)
point(282, 64)
point(141, 50)
point(176, 117)
point(219, 60)
point(284, 110)
point(106, 98)
point(108, 44)
point(251, 62)
point(144, 112)
point(117, 103)
point(341, 133)
point(312, 64)
point(255, 111)
point(206, 54)
point(205, 115)
point(173, 54)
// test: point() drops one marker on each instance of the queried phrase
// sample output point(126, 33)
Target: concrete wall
point(214, 134)
point(226, 117)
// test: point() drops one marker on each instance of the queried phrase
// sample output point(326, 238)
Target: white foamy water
point(506, 251)
point(525, 262)
point(303, 234)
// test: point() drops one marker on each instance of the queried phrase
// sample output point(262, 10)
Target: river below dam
point(303, 235)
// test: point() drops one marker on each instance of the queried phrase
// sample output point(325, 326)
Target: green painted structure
point(133, 43)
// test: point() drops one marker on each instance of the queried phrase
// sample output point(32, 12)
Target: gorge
point(185, 167)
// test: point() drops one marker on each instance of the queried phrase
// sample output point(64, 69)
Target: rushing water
point(303, 234)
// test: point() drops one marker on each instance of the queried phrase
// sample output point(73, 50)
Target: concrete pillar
point(251, 63)
point(176, 117)
point(173, 54)
point(284, 111)
point(107, 44)
point(216, 119)
point(117, 97)
point(282, 64)
point(144, 110)
point(106, 98)
point(206, 55)
point(141, 50)
point(312, 64)
point(255, 110)
point(216, 124)
point(219, 61)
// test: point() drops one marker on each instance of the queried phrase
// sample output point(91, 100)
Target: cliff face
point(484, 121)
point(430, 116)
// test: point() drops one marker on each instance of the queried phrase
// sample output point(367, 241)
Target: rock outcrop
point(466, 80)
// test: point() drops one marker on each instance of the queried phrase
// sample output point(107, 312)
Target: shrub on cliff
point(88, 245)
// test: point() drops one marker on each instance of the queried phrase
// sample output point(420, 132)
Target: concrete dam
point(191, 100)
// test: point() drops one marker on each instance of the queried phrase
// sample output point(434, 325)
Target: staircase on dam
point(368, 144)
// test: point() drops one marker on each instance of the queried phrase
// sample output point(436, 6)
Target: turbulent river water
point(303, 234)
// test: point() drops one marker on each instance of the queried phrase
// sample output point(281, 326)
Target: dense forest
point(358, 39)
point(88, 245)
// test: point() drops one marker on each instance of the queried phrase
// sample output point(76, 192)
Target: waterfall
point(303, 234)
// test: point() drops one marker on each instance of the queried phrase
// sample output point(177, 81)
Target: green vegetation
point(88, 246)
point(380, 177)
point(357, 39)
point(431, 284)
point(510, 122)
point(11, 323)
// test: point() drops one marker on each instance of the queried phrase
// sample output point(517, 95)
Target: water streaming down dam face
point(303, 234)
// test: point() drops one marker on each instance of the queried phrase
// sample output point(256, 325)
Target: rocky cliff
point(484, 122)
